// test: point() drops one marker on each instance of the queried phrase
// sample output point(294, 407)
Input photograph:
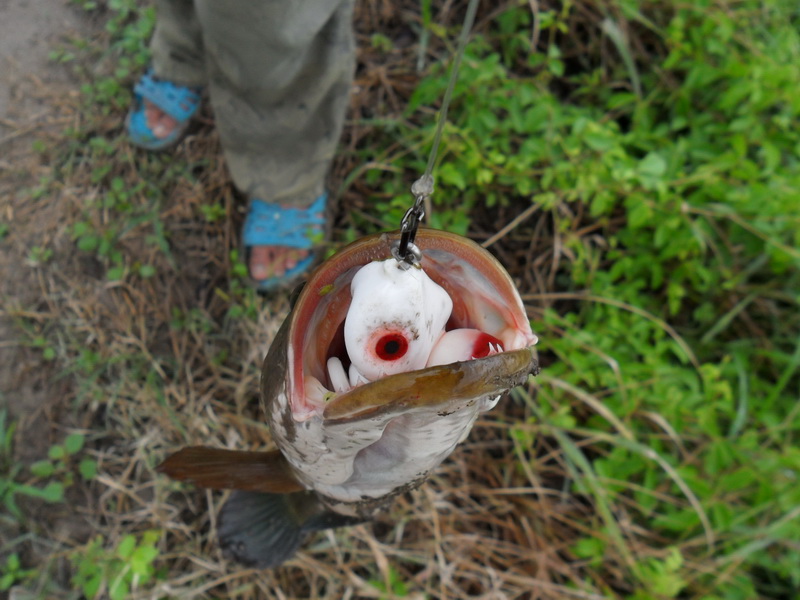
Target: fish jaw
point(433, 388)
point(388, 435)
point(392, 432)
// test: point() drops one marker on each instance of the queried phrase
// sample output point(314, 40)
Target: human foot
point(273, 261)
point(279, 241)
point(159, 122)
point(161, 112)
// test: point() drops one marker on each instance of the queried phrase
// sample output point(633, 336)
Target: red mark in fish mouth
point(391, 346)
point(486, 345)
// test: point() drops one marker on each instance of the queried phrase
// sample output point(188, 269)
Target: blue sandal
point(178, 101)
point(276, 225)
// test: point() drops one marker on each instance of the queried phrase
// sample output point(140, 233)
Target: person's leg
point(177, 56)
point(177, 43)
point(279, 75)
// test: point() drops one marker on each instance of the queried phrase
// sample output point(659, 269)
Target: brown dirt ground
point(29, 88)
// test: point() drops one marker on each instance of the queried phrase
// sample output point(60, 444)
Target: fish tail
point(264, 530)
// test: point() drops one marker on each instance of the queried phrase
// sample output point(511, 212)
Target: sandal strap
point(276, 225)
point(178, 101)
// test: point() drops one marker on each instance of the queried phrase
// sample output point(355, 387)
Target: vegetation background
point(634, 165)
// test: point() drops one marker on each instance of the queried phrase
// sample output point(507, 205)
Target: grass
point(635, 167)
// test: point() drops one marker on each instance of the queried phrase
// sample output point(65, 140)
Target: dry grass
point(494, 521)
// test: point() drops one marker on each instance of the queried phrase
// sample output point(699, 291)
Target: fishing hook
point(405, 250)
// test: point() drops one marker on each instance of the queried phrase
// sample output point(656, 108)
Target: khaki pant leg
point(279, 73)
point(177, 44)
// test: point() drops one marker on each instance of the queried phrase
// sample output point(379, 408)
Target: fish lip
point(328, 285)
point(434, 388)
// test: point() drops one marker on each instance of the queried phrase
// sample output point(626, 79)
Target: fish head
point(361, 308)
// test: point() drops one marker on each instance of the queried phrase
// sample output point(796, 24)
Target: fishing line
point(406, 253)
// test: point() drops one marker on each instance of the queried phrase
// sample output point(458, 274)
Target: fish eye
point(391, 346)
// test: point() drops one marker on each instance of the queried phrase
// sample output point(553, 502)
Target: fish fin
point(232, 469)
point(331, 520)
point(265, 530)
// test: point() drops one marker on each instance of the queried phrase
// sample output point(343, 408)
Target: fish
point(378, 372)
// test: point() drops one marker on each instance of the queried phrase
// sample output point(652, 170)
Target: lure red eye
point(391, 346)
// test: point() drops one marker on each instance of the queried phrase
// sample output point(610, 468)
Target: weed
point(52, 476)
point(10, 487)
point(392, 587)
point(117, 572)
point(60, 459)
point(12, 573)
point(39, 256)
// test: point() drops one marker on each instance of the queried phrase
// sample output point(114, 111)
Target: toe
point(160, 123)
point(273, 261)
point(260, 262)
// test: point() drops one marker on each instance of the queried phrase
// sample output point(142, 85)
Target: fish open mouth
point(468, 308)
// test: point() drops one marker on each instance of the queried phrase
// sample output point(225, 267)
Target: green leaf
point(88, 243)
point(74, 443)
point(126, 546)
point(56, 452)
point(6, 581)
point(141, 560)
point(641, 215)
point(43, 468)
point(53, 492)
point(653, 165)
point(88, 468)
point(92, 585)
point(590, 548)
point(119, 589)
point(448, 174)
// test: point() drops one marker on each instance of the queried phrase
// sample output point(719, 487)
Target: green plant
point(60, 457)
point(213, 212)
point(39, 255)
point(10, 470)
point(128, 27)
point(57, 469)
point(672, 358)
point(392, 586)
point(12, 572)
point(115, 573)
